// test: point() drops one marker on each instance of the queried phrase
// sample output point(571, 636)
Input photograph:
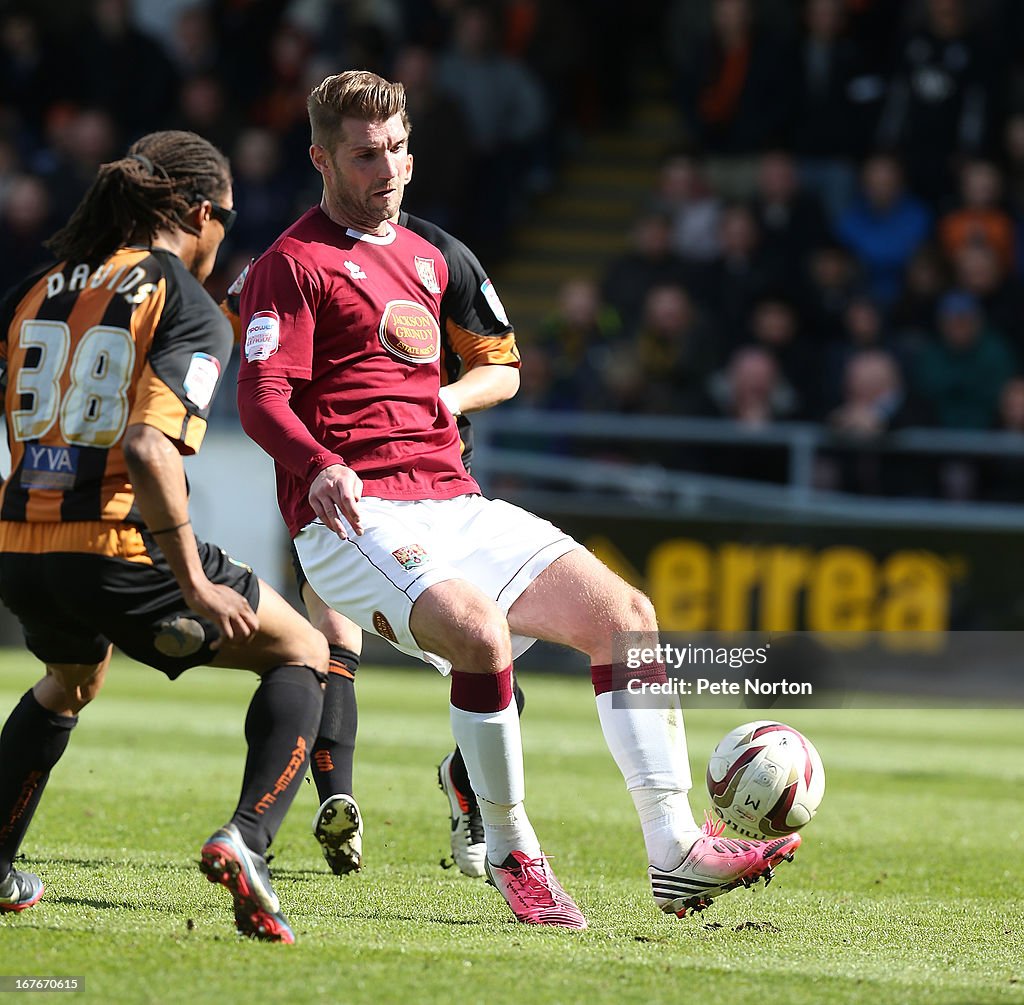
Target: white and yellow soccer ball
point(765, 779)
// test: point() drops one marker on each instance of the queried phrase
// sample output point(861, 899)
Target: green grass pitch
point(909, 887)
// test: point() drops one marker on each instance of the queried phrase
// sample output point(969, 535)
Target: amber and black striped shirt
point(89, 351)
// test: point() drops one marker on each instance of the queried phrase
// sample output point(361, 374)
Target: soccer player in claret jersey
point(339, 383)
point(479, 369)
point(112, 357)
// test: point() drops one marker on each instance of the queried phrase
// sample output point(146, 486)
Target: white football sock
point(649, 746)
point(507, 829)
point(492, 748)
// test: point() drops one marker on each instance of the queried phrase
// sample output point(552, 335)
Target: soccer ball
point(765, 779)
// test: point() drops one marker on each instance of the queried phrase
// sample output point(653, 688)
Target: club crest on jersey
point(425, 268)
point(409, 332)
point(412, 556)
point(263, 336)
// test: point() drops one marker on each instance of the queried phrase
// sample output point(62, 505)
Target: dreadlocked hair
point(151, 188)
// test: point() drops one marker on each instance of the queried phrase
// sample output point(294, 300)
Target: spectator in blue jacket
point(884, 226)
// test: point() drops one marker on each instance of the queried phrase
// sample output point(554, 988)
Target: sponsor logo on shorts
point(425, 268)
point(410, 332)
point(179, 637)
point(412, 556)
point(263, 336)
point(383, 628)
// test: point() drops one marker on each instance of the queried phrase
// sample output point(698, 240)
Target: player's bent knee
point(284, 636)
point(641, 614)
point(75, 685)
point(487, 650)
point(312, 649)
point(338, 630)
point(456, 621)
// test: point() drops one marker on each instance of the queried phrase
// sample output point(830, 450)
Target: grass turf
point(908, 888)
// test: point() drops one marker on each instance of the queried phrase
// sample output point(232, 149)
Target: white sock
point(649, 746)
point(492, 748)
point(507, 829)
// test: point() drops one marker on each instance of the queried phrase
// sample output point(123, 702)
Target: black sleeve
point(185, 362)
point(470, 301)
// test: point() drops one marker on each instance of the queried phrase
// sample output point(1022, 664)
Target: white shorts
point(408, 546)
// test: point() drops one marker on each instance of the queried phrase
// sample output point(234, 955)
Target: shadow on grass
point(418, 919)
point(279, 873)
point(103, 905)
point(110, 863)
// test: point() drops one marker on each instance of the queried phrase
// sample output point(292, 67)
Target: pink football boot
point(534, 894)
point(715, 865)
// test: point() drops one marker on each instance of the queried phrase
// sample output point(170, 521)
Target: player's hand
point(227, 609)
point(337, 488)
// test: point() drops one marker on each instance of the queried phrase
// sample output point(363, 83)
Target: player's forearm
point(158, 478)
point(483, 387)
point(265, 412)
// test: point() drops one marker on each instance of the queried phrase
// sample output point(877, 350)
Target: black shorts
point(72, 606)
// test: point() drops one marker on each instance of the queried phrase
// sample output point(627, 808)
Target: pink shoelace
point(713, 826)
point(533, 886)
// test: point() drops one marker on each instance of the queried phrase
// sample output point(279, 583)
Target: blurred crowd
point(497, 92)
point(835, 236)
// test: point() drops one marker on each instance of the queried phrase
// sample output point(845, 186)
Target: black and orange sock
point(335, 747)
point(460, 776)
point(279, 728)
point(32, 742)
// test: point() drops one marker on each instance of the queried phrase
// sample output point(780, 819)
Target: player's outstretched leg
point(467, 828)
point(282, 721)
point(579, 602)
point(716, 864)
point(33, 740)
point(455, 620)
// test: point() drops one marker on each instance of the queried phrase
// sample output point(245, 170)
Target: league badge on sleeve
point(491, 296)
point(201, 379)
point(427, 273)
point(235, 289)
point(263, 336)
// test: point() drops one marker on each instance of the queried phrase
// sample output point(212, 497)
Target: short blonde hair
point(358, 94)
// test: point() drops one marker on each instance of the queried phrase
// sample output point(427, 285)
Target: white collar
point(386, 238)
